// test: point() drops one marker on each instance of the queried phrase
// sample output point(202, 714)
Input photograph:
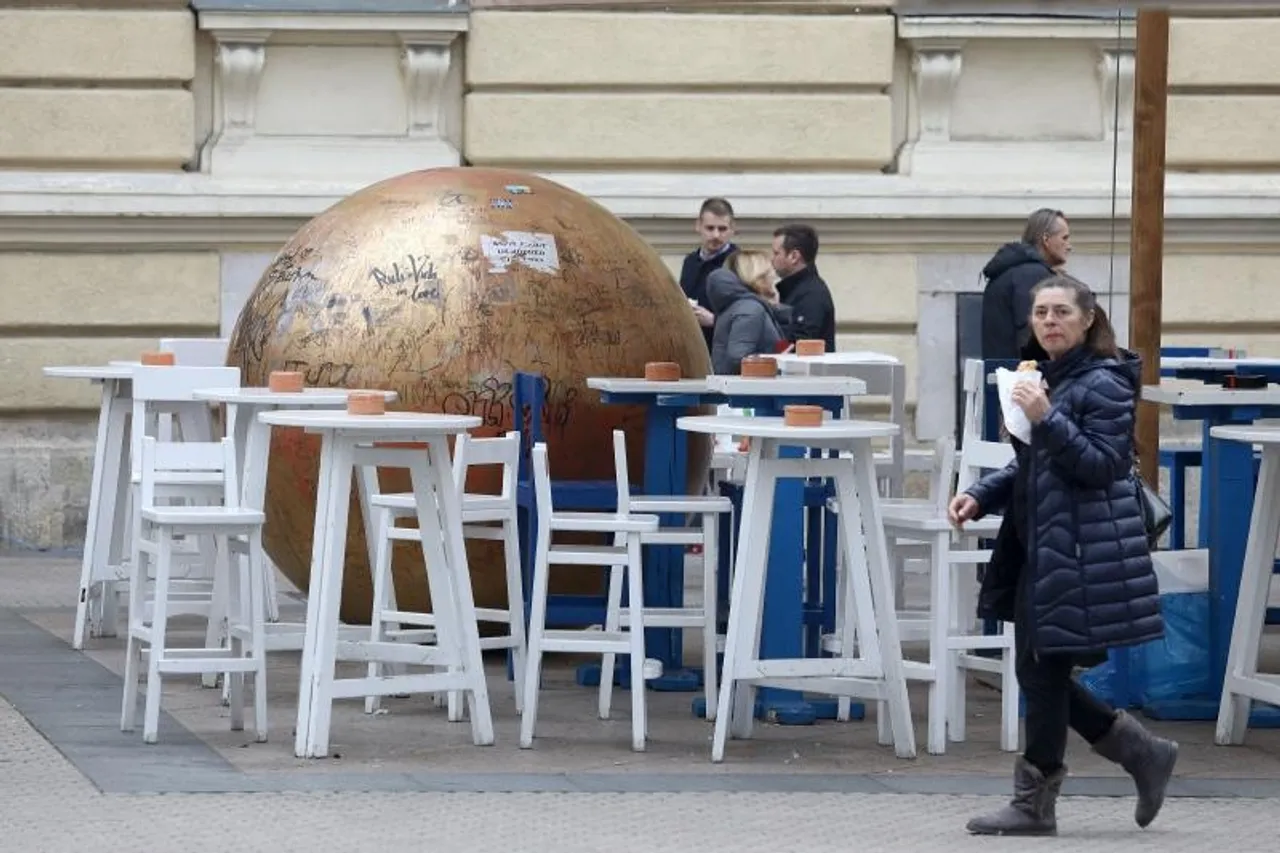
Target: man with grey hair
point(1015, 269)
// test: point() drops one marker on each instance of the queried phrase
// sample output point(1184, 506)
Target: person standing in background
point(1011, 274)
point(715, 228)
point(813, 312)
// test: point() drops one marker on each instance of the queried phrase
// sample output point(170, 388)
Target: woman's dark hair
point(1101, 337)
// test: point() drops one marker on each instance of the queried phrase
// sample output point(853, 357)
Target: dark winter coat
point(1091, 584)
point(1006, 302)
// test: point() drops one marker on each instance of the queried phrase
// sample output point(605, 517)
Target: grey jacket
point(745, 325)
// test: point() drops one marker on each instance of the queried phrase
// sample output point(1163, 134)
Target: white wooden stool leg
point(1251, 603)
point(258, 631)
point(940, 658)
point(515, 607)
point(961, 622)
point(159, 640)
point(133, 646)
point(235, 603)
point(635, 633)
point(710, 608)
point(537, 627)
point(1009, 692)
point(845, 621)
point(383, 521)
point(612, 624)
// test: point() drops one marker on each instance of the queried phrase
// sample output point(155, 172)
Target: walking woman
point(1071, 567)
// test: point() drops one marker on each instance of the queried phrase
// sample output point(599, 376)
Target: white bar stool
point(490, 517)
point(177, 462)
point(1243, 684)
point(877, 672)
point(702, 617)
point(613, 639)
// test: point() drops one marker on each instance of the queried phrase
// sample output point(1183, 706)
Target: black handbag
point(1157, 515)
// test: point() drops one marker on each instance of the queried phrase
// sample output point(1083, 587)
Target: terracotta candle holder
point(364, 403)
point(661, 371)
point(802, 416)
point(759, 367)
point(811, 346)
point(158, 359)
point(285, 382)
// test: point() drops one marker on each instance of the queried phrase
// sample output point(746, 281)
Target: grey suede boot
point(1145, 757)
point(1032, 809)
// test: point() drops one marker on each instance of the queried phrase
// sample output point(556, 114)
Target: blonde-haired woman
point(746, 322)
point(755, 270)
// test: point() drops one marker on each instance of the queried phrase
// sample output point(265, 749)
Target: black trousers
point(1055, 700)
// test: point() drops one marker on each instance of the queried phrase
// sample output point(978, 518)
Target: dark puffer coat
point(1091, 585)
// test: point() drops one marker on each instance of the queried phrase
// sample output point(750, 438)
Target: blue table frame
point(1227, 486)
point(666, 468)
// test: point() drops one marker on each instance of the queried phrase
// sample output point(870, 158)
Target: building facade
point(155, 153)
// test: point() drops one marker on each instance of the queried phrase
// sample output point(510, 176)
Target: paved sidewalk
point(70, 779)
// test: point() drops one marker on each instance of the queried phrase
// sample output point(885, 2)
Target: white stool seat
point(202, 516)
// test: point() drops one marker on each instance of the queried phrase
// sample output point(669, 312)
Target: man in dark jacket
point(715, 228)
point(1010, 275)
point(800, 288)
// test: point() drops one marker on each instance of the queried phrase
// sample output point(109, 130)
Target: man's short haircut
point(799, 238)
point(1041, 224)
point(716, 206)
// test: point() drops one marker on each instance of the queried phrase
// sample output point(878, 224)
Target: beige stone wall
point(63, 308)
point(1224, 100)
point(97, 87)
point(1223, 299)
point(689, 91)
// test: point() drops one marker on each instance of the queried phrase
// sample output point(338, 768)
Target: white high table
point(252, 439)
point(101, 565)
point(346, 440)
point(877, 671)
point(1242, 683)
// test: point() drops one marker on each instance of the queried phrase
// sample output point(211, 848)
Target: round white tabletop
point(831, 430)
point(267, 397)
point(90, 371)
point(633, 385)
point(1247, 434)
point(787, 386)
point(416, 422)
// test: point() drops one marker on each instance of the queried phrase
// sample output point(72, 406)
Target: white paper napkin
point(1015, 420)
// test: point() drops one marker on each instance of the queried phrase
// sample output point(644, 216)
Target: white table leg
point(326, 507)
point(326, 641)
point(748, 588)
point(886, 618)
point(434, 473)
point(1251, 604)
point(253, 446)
point(98, 519)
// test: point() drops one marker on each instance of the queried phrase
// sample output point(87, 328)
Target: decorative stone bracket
point(397, 106)
point(937, 44)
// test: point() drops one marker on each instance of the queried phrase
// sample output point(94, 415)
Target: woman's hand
point(1030, 397)
point(962, 508)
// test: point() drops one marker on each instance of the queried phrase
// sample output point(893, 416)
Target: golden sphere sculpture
point(440, 285)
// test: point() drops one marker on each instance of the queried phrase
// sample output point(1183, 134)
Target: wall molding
point(871, 213)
